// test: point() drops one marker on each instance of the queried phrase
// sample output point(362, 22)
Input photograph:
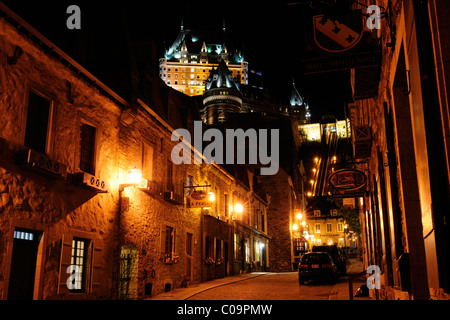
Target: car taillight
point(303, 266)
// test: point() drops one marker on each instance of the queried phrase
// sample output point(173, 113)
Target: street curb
point(203, 286)
point(226, 283)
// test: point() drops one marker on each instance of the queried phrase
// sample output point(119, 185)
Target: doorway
point(128, 273)
point(23, 264)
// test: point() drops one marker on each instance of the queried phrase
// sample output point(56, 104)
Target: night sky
point(272, 33)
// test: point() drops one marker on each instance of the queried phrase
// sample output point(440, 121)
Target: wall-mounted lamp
point(133, 180)
point(238, 208)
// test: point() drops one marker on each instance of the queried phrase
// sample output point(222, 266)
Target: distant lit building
point(312, 131)
point(191, 57)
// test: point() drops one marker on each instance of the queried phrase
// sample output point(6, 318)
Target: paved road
point(271, 286)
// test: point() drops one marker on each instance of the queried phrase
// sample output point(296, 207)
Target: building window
point(169, 240)
point(334, 212)
point(169, 176)
point(340, 227)
point(80, 250)
point(341, 242)
point(247, 250)
point(216, 193)
point(316, 213)
point(317, 227)
point(189, 183)
point(227, 204)
point(318, 242)
point(87, 148)
point(209, 247)
point(189, 243)
point(38, 115)
point(329, 227)
point(236, 246)
point(147, 162)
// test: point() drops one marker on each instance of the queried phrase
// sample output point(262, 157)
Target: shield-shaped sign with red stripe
point(335, 36)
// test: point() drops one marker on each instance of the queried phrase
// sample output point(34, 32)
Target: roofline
point(169, 128)
point(50, 48)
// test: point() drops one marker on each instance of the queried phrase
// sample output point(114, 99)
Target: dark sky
point(272, 33)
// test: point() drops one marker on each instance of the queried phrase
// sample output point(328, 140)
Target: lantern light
point(134, 176)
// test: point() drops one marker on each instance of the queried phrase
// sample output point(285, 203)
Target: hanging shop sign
point(340, 43)
point(347, 179)
point(333, 36)
point(198, 199)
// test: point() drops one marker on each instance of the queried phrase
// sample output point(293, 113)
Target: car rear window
point(315, 258)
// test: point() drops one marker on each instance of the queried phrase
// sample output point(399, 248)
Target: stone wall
point(279, 215)
point(36, 201)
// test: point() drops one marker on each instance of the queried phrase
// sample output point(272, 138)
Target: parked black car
point(337, 256)
point(317, 266)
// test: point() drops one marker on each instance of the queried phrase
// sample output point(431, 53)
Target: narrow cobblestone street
point(268, 286)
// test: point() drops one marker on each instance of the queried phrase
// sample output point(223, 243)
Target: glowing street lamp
point(134, 179)
point(238, 208)
point(134, 176)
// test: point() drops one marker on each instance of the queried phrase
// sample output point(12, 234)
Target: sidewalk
point(186, 293)
point(341, 290)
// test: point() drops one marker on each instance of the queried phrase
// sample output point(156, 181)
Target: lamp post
point(133, 179)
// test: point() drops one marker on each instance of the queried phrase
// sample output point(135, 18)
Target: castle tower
point(222, 95)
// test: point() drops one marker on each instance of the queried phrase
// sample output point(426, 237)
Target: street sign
point(198, 199)
point(335, 36)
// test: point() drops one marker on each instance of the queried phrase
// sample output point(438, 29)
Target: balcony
point(362, 142)
point(90, 182)
point(41, 163)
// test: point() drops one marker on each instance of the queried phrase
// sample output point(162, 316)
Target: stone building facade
point(58, 132)
point(404, 124)
point(74, 224)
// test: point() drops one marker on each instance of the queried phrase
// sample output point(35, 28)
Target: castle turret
point(222, 95)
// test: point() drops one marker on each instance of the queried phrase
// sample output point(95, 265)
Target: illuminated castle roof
point(208, 46)
point(295, 99)
point(221, 78)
